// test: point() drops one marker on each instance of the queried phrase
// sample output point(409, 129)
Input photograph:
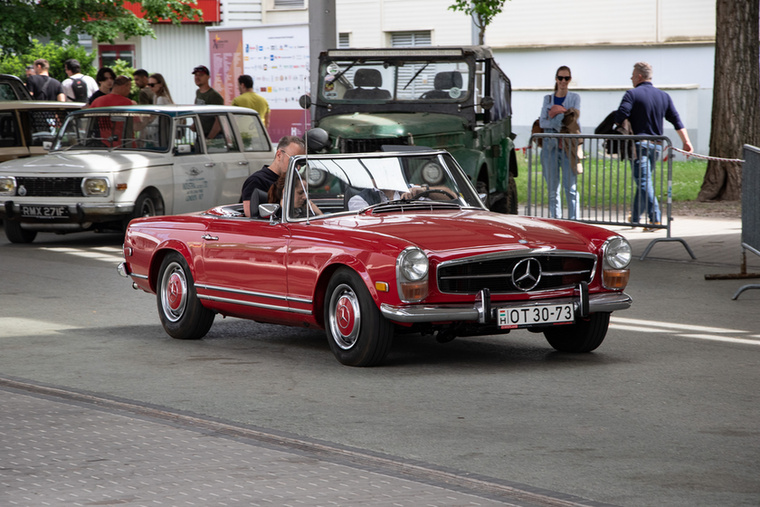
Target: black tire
point(16, 234)
point(357, 332)
point(511, 201)
point(148, 204)
point(181, 312)
point(583, 336)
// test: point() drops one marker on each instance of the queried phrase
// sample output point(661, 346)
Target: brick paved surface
point(65, 452)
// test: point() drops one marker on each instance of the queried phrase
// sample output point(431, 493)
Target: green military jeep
point(451, 98)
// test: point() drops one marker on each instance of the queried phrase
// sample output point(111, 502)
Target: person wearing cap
point(248, 98)
point(207, 95)
point(119, 96)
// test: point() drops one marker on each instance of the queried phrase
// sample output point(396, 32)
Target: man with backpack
point(77, 87)
point(43, 87)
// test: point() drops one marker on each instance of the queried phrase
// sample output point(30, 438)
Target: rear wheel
point(358, 333)
point(583, 336)
point(181, 312)
point(148, 204)
point(16, 234)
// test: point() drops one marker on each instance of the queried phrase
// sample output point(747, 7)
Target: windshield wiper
point(415, 76)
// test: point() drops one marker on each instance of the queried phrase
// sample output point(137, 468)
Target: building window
point(406, 39)
point(289, 4)
point(344, 40)
point(109, 53)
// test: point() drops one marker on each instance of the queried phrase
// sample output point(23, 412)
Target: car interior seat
point(443, 83)
point(367, 84)
point(258, 197)
point(348, 194)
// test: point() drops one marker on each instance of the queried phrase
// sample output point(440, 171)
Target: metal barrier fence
point(750, 212)
point(612, 187)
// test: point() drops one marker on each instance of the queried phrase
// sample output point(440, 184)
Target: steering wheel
point(426, 193)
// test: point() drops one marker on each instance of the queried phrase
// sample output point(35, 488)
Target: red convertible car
point(373, 246)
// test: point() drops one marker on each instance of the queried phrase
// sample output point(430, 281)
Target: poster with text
point(226, 51)
point(277, 57)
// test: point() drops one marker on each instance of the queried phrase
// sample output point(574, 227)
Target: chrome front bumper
point(484, 311)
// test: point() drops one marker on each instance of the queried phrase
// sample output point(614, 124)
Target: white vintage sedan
point(110, 165)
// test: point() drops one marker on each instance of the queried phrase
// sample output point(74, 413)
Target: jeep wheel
point(16, 234)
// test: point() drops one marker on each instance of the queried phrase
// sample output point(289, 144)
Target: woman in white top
point(554, 160)
point(161, 93)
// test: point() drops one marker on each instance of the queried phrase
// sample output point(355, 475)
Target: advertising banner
point(277, 58)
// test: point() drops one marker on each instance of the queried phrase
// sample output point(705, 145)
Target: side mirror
point(47, 145)
point(486, 103)
point(183, 149)
point(304, 101)
point(268, 209)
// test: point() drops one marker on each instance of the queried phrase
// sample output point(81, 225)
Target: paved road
point(664, 413)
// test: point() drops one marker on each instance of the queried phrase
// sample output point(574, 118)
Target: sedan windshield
point(115, 131)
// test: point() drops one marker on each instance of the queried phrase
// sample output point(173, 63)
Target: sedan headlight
point(7, 185)
point(95, 186)
point(412, 274)
point(617, 255)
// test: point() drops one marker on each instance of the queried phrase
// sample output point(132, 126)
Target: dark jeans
point(643, 173)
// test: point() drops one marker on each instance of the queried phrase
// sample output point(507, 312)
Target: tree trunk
point(736, 96)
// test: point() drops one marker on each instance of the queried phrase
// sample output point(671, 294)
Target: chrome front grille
point(49, 187)
point(515, 274)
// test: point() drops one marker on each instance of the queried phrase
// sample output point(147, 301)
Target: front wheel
point(181, 312)
point(583, 336)
point(358, 333)
point(16, 234)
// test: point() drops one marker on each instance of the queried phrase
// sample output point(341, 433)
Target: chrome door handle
point(209, 164)
point(209, 237)
point(242, 162)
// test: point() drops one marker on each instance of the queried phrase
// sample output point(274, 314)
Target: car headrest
point(448, 80)
point(368, 78)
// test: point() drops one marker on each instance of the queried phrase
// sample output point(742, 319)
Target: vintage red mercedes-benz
point(376, 245)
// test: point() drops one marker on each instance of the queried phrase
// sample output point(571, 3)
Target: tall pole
point(322, 36)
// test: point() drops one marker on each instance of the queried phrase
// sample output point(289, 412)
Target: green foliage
point(122, 68)
point(482, 12)
point(53, 53)
point(62, 20)
point(687, 179)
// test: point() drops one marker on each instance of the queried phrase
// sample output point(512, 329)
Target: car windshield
point(395, 80)
point(355, 184)
point(115, 131)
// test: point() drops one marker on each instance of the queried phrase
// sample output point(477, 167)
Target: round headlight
point(316, 177)
point(617, 253)
point(432, 173)
point(7, 185)
point(95, 186)
point(413, 264)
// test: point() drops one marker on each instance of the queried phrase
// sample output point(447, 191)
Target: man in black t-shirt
point(43, 87)
point(289, 146)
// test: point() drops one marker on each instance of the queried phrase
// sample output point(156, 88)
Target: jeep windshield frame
point(448, 80)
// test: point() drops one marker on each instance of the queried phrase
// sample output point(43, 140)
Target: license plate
point(523, 316)
point(33, 211)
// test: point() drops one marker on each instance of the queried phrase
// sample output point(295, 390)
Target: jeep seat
point(367, 83)
point(444, 81)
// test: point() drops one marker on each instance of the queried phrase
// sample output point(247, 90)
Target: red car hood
point(471, 232)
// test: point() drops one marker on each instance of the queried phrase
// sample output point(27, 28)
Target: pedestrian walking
point(43, 87)
point(145, 95)
point(78, 87)
point(250, 99)
point(645, 107)
point(555, 159)
point(161, 93)
point(105, 78)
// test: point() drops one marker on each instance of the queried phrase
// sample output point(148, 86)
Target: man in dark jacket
point(645, 107)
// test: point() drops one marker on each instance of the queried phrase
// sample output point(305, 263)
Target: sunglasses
point(152, 84)
point(564, 78)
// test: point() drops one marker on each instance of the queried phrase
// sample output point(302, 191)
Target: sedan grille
point(49, 187)
point(368, 145)
point(516, 274)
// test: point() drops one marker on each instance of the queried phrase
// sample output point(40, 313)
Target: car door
point(195, 179)
point(244, 268)
point(12, 142)
point(230, 164)
point(254, 140)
